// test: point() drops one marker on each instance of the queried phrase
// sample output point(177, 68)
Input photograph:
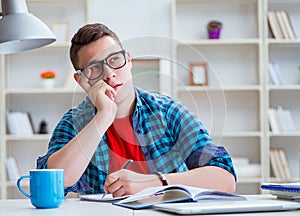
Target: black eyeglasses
point(95, 70)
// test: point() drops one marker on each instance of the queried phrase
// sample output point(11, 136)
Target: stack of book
point(19, 123)
point(279, 164)
point(244, 168)
point(281, 119)
point(280, 25)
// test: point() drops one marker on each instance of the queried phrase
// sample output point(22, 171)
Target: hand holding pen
point(125, 166)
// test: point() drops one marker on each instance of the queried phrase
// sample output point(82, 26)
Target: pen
point(125, 166)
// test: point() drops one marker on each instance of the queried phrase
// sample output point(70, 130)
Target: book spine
point(274, 163)
point(12, 169)
point(284, 164)
point(273, 120)
point(282, 24)
point(274, 25)
point(272, 74)
point(290, 29)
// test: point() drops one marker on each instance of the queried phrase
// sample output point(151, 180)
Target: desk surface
point(75, 207)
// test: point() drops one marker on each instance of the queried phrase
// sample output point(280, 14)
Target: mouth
point(116, 86)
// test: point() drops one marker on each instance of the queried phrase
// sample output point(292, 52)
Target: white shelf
point(284, 87)
point(283, 41)
point(245, 134)
point(246, 180)
point(295, 134)
point(35, 137)
point(223, 88)
point(254, 41)
point(42, 91)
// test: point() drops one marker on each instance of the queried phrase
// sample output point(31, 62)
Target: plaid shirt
point(171, 138)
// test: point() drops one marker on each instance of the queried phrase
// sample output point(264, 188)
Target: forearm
point(210, 177)
point(76, 155)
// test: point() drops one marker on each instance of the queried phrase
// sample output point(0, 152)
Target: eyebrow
point(90, 63)
point(95, 60)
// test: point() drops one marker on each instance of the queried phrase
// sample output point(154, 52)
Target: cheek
point(125, 75)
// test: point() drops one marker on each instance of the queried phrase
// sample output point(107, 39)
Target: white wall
point(143, 26)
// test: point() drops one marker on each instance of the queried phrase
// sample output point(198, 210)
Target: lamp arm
point(13, 6)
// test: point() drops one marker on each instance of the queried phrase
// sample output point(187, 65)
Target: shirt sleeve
point(62, 134)
point(195, 143)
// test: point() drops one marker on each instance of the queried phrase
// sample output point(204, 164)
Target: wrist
point(103, 118)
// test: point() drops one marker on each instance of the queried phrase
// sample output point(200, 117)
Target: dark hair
point(88, 34)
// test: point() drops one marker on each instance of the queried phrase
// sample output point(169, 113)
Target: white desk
point(70, 207)
point(75, 207)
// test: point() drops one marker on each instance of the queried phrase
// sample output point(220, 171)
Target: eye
point(95, 68)
point(114, 59)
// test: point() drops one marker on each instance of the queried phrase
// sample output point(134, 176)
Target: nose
point(108, 73)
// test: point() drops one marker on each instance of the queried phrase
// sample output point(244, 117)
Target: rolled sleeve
point(211, 155)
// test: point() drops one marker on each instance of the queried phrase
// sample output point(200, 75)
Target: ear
point(128, 59)
point(76, 77)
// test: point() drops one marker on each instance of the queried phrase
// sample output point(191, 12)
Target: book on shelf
point(287, 21)
point(281, 119)
point(19, 123)
point(12, 169)
point(279, 164)
point(174, 193)
point(273, 120)
point(285, 119)
point(275, 74)
point(274, 25)
point(245, 169)
point(280, 25)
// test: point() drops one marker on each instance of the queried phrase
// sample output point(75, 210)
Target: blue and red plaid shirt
point(171, 138)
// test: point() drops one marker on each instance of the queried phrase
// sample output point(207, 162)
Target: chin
point(124, 94)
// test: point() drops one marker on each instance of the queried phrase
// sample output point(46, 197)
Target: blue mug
point(46, 187)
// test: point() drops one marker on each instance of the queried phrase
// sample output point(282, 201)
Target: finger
point(120, 192)
point(115, 189)
point(84, 83)
point(111, 94)
point(109, 181)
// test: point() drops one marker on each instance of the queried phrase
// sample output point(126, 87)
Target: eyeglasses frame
point(102, 62)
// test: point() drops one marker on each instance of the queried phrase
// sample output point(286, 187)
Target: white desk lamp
point(20, 30)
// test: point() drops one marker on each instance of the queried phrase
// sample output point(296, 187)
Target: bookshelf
point(285, 52)
point(234, 105)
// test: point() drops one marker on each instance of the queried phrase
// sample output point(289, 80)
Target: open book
point(174, 193)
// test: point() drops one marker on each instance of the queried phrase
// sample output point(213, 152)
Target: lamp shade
point(20, 30)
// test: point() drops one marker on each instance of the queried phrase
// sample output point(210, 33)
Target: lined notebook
point(283, 190)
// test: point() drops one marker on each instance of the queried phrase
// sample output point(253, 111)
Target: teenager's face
point(117, 78)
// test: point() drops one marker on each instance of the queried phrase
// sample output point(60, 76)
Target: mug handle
point(19, 185)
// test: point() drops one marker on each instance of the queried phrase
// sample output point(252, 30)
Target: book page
point(100, 198)
point(152, 191)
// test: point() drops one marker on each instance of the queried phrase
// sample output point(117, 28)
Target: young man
point(118, 121)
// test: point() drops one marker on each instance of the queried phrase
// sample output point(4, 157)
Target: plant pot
point(48, 83)
point(215, 34)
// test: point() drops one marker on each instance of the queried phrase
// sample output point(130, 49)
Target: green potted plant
point(214, 29)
